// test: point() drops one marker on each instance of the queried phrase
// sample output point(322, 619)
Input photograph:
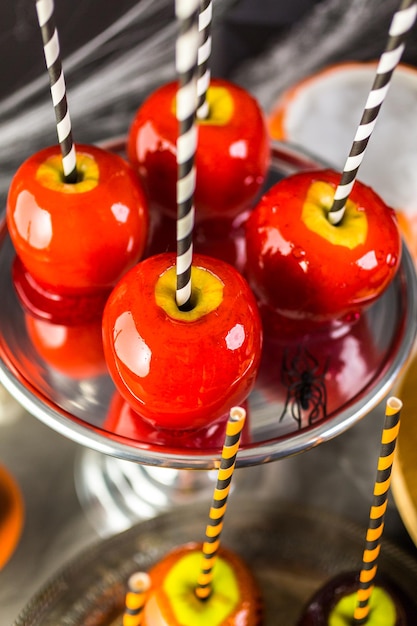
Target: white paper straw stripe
point(64, 127)
point(184, 9)
point(187, 145)
point(343, 190)
point(185, 225)
point(205, 17)
point(204, 51)
point(45, 12)
point(203, 83)
point(51, 50)
point(377, 96)
point(184, 293)
point(389, 60)
point(69, 159)
point(186, 187)
point(184, 261)
point(187, 100)
point(353, 162)
point(401, 23)
point(365, 130)
point(58, 90)
point(185, 60)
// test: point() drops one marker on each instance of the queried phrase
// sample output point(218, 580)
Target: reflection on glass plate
point(291, 551)
point(358, 367)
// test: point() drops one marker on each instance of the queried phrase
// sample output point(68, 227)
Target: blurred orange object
point(321, 114)
point(11, 515)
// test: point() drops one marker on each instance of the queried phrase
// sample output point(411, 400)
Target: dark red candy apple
point(219, 238)
point(335, 602)
point(80, 238)
point(182, 369)
point(304, 268)
point(233, 151)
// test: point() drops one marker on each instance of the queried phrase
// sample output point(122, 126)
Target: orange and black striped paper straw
point(218, 507)
point(138, 587)
point(378, 509)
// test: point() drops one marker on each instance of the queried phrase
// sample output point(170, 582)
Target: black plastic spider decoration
point(306, 389)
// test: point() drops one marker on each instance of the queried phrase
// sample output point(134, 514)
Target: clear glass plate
point(291, 550)
point(364, 364)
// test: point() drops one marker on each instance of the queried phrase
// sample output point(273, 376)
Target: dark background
point(264, 45)
point(249, 27)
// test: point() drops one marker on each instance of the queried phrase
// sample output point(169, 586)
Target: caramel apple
point(235, 599)
point(334, 604)
point(307, 270)
point(182, 369)
point(232, 156)
point(74, 240)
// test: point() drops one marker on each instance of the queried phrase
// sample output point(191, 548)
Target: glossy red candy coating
point(302, 275)
point(75, 351)
point(181, 374)
point(124, 422)
point(232, 156)
point(78, 241)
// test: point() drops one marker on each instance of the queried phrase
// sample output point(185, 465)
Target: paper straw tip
point(394, 403)
point(139, 582)
point(237, 413)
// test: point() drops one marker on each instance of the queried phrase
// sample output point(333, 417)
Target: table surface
point(336, 477)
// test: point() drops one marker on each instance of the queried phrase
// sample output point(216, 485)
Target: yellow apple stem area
point(381, 610)
point(206, 294)
point(51, 174)
point(352, 229)
point(189, 610)
point(220, 107)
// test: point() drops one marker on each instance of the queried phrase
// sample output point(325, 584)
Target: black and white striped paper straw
point(45, 11)
point(204, 53)
point(218, 508)
point(401, 24)
point(187, 12)
point(377, 513)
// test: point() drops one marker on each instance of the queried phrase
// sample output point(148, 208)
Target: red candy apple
point(75, 350)
point(182, 369)
point(77, 238)
point(235, 600)
point(232, 154)
point(303, 267)
point(124, 422)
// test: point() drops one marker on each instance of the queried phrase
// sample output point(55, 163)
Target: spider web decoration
point(304, 380)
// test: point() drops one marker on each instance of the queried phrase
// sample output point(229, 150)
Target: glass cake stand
point(136, 471)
